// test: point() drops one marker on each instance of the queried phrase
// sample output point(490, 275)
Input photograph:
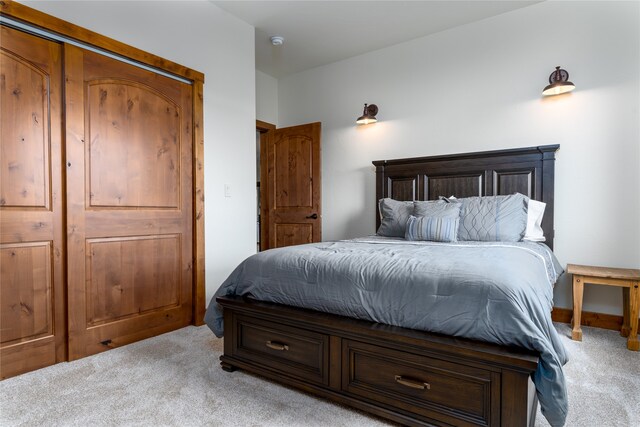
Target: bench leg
point(626, 324)
point(578, 288)
point(634, 299)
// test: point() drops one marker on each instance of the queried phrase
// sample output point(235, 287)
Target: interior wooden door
point(32, 298)
point(294, 185)
point(129, 204)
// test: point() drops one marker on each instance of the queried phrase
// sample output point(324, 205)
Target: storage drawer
point(441, 391)
point(294, 352)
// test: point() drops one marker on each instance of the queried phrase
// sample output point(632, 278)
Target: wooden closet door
point(32, 293)
point(129, 204)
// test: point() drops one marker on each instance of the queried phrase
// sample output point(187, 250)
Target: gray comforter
point(490, 291)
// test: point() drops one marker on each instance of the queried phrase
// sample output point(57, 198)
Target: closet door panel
point(32, 292)
point(130, 202)
point(25, 157)
point(28, 307)
point(133, 128)
point(132, 275)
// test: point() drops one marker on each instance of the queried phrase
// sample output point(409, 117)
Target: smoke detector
point(277, 40)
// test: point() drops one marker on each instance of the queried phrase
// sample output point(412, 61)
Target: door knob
point(314, 216)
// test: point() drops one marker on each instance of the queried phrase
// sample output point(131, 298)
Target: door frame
point(266, 132)
point(66, 29)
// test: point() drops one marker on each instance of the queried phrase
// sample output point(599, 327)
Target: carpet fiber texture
point(175, 380)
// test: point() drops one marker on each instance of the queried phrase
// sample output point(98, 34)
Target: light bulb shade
point(558, 83)
point(365, 120)
point(368, 115)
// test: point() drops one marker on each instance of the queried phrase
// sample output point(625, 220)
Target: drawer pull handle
point(277, 346)
point(420, 385)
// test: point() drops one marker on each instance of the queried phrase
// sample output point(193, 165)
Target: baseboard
point(597, 320)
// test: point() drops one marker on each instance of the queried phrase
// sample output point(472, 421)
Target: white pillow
point(535, 212)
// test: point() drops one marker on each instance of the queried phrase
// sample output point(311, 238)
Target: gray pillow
point(393, 217)
point(432, 228)
point(493, 218)
point(436, 208)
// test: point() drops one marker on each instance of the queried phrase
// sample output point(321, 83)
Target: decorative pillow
point(535, 212)
point(393, 217)
point(436, 208)
point(434, 229)
point(493, 218)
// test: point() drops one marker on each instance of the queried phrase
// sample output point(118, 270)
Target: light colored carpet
point(175, 380)
point(603, 380)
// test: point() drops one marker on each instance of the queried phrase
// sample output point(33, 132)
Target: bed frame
point(408, 376)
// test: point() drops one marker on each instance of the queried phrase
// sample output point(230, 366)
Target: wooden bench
point(627, 278)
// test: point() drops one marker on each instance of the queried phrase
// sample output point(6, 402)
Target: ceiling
point(320, 32)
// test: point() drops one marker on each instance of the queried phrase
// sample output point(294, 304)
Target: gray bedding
point(491, 291)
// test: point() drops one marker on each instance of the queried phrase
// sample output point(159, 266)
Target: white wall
point(266, 98)
point(201, 36)
point(478, 87)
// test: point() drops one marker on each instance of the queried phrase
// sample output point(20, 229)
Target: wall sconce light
point(368, 115)
point(558, 83)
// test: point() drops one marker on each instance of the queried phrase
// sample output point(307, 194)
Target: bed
point(364, 355)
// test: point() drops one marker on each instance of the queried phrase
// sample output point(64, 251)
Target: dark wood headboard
point(529, 171)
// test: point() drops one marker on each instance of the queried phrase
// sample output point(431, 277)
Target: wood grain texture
point(136, 128)
point(634, 302)
point(589, 318)
point(467, 376)
point(31, 214)
point(40, 19)
point(404, 188)
point(28, 356)
point(25, 155)
point(293, 186)
point(335, 359)
point(626, 315)
point(450, 391)
point(266, 135)
point(292, 234)
point(27, 292)
point(293, 171)
point(131, 261)
point(529, 171)
point(605, 272)
point(264, 126)
point(131, 276)
point(578, 292)
point(199, 291)
point(128, 110)
point(75, 151)
point(626, 278)
point(509, 182)
point(297, 352)
point(459, 186)
point(515, 394)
